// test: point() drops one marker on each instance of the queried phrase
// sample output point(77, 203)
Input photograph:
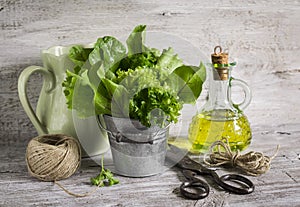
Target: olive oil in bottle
point(220, 117)
point(206, 128)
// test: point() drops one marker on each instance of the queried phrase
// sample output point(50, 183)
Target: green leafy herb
point(135, 41)
point(108, 51)
point(79, 54)
point(168, 60)
point(152, 105)
point(143, 83)
point(105, 177)
point(188, 82)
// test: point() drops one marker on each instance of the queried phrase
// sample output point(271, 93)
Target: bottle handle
point(49, 82)
point(247, 92)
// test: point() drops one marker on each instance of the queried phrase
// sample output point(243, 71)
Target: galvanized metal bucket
point(137, 151)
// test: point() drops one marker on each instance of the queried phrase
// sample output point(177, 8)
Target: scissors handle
point(199, 190)
point(247, 186)
point(194, 188)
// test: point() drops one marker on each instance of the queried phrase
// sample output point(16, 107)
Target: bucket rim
point(123, 137)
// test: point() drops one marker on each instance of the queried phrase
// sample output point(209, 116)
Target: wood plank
point(263, 36)
point(279, 185)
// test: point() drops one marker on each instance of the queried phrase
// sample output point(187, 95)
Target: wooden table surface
point(262, 35)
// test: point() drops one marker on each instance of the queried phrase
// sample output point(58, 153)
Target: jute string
point(252, 163)
point(54, 157)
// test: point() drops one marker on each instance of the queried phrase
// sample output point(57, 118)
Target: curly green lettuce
point(141, 83)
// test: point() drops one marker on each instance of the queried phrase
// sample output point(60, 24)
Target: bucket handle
point(118, 135)
point(121, 138)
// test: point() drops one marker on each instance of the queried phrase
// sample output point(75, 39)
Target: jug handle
point(247, 91)
point(22, 90)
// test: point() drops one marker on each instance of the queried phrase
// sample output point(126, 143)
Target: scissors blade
point(181, 159)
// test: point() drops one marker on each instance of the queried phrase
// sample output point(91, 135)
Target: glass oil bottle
point(220, 117)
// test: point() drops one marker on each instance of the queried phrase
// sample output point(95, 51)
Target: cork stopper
point(220, 63)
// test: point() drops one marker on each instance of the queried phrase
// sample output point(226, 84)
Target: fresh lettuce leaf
point(145, 104)
point(135, 41)
point(143, 84)
point(188, 81)
point(168, 60)
point(105, 58)
point(79, 54)
point(109, 51)
point(69, 84)
point(78, 93)
point(145, 59)
point(140, 78)
point(118, 98)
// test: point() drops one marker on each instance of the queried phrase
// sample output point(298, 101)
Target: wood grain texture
point(278, 187)
point(263, 36)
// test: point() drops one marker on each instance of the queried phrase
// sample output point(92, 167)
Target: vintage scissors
point(191, 169)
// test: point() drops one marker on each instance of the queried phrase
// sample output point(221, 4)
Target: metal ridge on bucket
point(130, 130)
point(141, 150)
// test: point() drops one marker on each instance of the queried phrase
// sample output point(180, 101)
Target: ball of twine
point(53, 157)
point(252, 163)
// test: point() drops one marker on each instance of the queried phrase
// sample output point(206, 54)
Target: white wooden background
point(263, 36)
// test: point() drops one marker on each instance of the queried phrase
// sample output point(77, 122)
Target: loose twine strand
point(77, 194)
point(252, 163)
point(55, 157)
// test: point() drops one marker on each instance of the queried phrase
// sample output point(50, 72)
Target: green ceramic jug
point(52, 115)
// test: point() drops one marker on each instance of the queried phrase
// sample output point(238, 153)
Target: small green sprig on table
point(105, 177)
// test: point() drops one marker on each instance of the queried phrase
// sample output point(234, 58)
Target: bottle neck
point(218, 91)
